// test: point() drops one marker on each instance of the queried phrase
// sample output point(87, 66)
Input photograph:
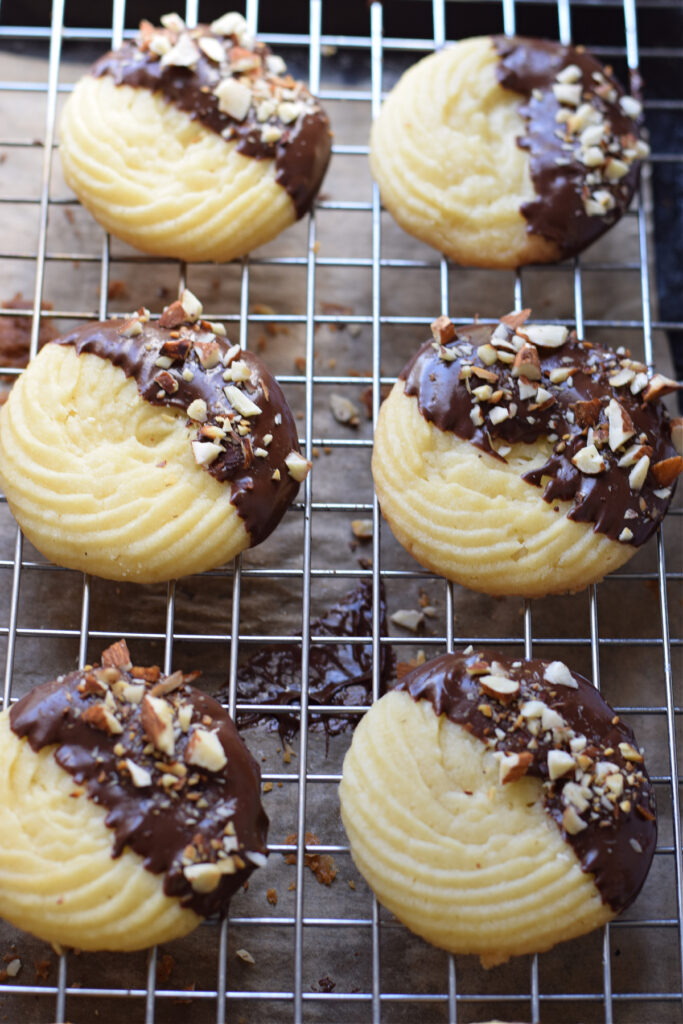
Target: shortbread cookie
point(141, 450)
point(194, 143)
point(496, 806)
point(129, 811)
point(504, 151)
point(516, 459)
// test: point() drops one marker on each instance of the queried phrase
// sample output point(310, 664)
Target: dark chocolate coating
point(301, 154)
point(529, 67)
point(158, 822)
point(605, 499)
point(338, 673)
point(617, 845)
point(260, 501)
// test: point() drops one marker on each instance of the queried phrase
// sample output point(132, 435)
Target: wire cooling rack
point(631, 622)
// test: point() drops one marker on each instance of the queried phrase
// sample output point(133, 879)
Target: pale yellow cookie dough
point(162, 182)
point(470, 517)
point(471, 865)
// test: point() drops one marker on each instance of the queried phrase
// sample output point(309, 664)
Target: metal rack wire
point(542, 995)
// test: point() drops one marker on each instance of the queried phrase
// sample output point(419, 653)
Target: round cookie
point(497, 807)
point(144, 451)
point(194, 143)
point(130, 808)
point(505, 151)
point(516, 459)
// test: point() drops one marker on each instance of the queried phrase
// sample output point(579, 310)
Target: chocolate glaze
point(529, 67)
point(301, 154)
point(605, 499)
point(617, 845)
point(158, 822)
point(260, 500)
point(339, 673)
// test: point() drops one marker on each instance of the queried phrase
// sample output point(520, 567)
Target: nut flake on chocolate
point(614, 446)
point(180, 362)
point(594, 785)
point(175, 820)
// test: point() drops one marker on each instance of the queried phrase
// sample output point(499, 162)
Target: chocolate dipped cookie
point(130, 808)
point(497, 806)
point(194, 142)
point(515, 458)
point(146, 450)
point(505, 151)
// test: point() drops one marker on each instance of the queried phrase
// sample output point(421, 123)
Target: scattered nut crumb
point(321, 864)
point(271, 896)
point(408, 618)
point(343, 410)
point(267, 787)
point(165, 966)
point(362, 528)
point(245, 955)
point(117, 290)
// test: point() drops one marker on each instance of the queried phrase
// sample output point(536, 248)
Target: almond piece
point(205, 750)
point(234, 98)
point(515, 320)
point(100, 717)
point(630, 753)
point(558, 674)
point(638, 474)
point(527, 364)
point(208, 353)
point(559, 763)
point(157, 722)
point(131, 693)
point(589, 461)
point(203, 878)
point(659, 386)
point(173, 316)
point(297, 466)
point(621, 427)
point(514, 766)
point(677, 434)
point(443, 330)
point(117, 656)
point(571, 822)
point(500, 687)
point(666, 470)
point(140, 776)
point(167, 685)
point(547, 335)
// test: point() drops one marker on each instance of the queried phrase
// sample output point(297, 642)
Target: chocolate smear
point(339, 673)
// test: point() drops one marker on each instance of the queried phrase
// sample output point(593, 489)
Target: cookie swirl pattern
point(498, 806)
